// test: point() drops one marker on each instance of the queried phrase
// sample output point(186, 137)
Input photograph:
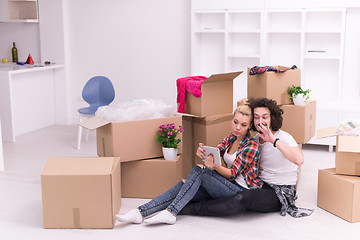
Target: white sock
point(162, 217)
point(134, 216)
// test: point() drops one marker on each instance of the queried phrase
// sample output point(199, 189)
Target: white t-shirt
point(229, 160)
point(274, 167)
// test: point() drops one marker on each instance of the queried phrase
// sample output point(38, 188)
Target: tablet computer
point(215, 152)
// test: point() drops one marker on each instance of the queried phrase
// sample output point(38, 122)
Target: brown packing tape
point(357, 167)
point(76, 216)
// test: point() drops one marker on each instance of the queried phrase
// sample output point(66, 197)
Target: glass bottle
point(14, 53)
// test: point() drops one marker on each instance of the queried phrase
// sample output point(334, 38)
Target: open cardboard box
point(339, 194)
point(81, 192)
point(347, 156)
point(216, 98)
point(149, 178)
point(273, 85)
point(130, 140)
point(300, 121)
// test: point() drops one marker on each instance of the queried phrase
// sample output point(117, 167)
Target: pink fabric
point(190, 84)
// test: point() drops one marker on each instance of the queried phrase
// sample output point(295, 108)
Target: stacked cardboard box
point(211, 113)
point(145, 173)
point(299, 121)
point(339, 187)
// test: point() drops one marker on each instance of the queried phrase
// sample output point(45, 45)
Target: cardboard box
point(300, 121)
point(148, 179)
point(339, 194)
point(130, 140)
point(216, 98)
point(81, 192)
point(273, 85)
point(210, 131)
point(347, 156)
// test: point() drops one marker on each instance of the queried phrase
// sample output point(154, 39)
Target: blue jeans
point(201, 184)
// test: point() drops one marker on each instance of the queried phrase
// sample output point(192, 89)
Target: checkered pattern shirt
point(257, 69)
point(247, 159)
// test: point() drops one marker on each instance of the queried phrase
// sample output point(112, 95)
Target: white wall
point(142, 46)
point(26, 38)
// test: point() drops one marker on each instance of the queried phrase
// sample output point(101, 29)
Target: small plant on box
point(298, 95)
point(167, 134)
point(294, 91)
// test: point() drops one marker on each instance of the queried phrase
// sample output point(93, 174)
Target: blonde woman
point(240, 154)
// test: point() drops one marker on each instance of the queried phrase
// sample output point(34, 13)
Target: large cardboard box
point(130, 140)
point(300, 121)
point(81, 192)
point(339, 194)
point(210, 131)
point(149, 178)
point(216, 98)
point(273, 85)
point(347, 156)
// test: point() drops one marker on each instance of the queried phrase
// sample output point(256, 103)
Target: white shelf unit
point(24, 11)
point(233, 39)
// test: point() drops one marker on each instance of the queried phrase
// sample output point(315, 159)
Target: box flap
point(93, 123)
point(222, 77)
point(348, 144)
point(326, 132)
point(79, 166)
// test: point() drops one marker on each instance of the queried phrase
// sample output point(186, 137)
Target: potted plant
point(298, 95)
point(167, 136)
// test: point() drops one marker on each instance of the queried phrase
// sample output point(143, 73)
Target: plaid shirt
point(247, 159)
point(257, 69)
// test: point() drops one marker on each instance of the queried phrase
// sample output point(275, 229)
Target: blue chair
point(98, 91)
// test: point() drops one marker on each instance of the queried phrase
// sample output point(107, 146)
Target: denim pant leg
point(215, 184)
point(160, 202)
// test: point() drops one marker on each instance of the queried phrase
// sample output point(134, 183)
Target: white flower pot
point(299, 100)
point(169, 153)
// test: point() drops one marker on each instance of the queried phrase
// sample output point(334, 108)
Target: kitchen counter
point(27, 98)
point(15, 68)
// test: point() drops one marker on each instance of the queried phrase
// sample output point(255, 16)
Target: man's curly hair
point(275, 111)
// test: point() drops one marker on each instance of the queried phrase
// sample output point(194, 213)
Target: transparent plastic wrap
point(349, 128)
point(137, 109)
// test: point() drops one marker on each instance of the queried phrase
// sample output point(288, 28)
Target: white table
point(27, 98)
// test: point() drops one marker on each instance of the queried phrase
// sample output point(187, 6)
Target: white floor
point(21, 211)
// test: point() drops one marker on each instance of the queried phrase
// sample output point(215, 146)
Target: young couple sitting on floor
point(260, 173)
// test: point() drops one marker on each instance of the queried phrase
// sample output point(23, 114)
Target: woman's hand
point(266, 133)
point(209, 162)
point(200, 152)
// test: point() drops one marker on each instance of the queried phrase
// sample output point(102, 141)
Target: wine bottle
point(14, 53)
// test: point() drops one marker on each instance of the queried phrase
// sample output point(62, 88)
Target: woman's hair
point(244, 109)
point(275, 111)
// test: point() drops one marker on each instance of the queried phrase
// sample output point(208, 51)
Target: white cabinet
point(19, 11)
point(312, 38)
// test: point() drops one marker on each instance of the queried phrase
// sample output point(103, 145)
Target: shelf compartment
point(283, 21)
point(209, 55)
point(322, 21)
point(244, 21)
point(244, 44)
point(284, 50)
point(323, 77)
point(209, 21)
point(23, 10)
point(327, 42)
point(240, 83)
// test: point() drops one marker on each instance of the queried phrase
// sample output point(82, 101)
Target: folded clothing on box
point(349, 128)
point(137, 109)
